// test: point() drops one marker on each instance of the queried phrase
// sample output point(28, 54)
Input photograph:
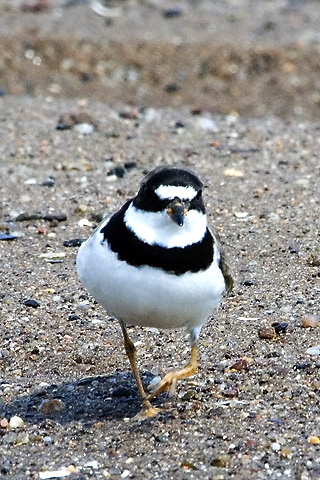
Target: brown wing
point(223, 263)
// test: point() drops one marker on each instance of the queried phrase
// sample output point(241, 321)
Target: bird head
point(173, 190)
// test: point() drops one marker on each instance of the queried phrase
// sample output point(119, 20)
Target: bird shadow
point(89, 399)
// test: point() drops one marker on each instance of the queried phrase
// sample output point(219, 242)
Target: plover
point(156, 263)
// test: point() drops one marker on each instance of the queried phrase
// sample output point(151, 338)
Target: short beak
point(177, 212)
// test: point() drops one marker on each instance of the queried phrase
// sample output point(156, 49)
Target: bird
point(157, 263)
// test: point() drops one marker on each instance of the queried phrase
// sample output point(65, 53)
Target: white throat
point(157, 228)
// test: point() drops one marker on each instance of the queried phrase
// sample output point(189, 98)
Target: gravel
point(67, 395)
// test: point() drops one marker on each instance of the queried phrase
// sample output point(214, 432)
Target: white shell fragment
point(315, 350)
point(16, 422)
point(54, 474)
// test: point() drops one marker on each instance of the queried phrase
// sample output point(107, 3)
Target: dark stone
point(293, 249)
point(118, 171)
point(31, 303)
point(172, 87)
point(59, 217)
point(172, 12)
point(280, 327)
point(85, 77)
point(7, 236)
point(63, 126)
point(130, 165)
point(49, 182)
point(73, 242)
point(301, 366)
point(28, 216)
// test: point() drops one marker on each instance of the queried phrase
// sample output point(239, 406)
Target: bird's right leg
point(147, 409)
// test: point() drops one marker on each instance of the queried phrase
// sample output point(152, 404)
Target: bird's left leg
point(147, 409)
point(169, 381)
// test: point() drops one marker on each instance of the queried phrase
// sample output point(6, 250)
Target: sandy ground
point(252, 410)
point(256, 58)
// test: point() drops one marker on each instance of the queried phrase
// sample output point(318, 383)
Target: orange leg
point(147, 409)
point(169, 381)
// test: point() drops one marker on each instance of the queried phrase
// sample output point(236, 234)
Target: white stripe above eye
point(169, 192)
point(157, 228)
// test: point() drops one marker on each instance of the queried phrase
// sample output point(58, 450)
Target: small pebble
point(63, 126)
point(84, 128)
point(280, 327)
point(206, 123)
point(129, 114)
point(52, 405)
point(84, 222)
point(16, 422)
point(314, 440)
point(313, 350)
point(119, 172)
point(191, 395)
point(31, 303)
point(172, 12)
point(179, 124)
point(230, 392)
point(9, 438)
point(301, 366)
point(293, 249)
point(52, 256)
point(49, 217)
point(310, 321)
point(241, 215)
point(7, 236)
point(4, 423)
point(153, 384)
point(83, 305)
point(129, 165)
point(285, 453)
point(313, 260)
point(54, 474)
point(49, 182)
point(73, 242)
point(266, 331)
point(233, 172)
point(68, 120)
point(275, 446)
point(242, 364)
point(22, 438)
point(221, 461)
point(47, 439)
point(125, 474)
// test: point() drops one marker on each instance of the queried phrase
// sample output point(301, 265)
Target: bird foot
point(169, 381)
point(148, 411)
point(167, 384)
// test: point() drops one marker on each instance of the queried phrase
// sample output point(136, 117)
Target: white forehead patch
point(169, 192)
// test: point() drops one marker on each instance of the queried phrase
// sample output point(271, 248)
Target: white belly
point(147, 296)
